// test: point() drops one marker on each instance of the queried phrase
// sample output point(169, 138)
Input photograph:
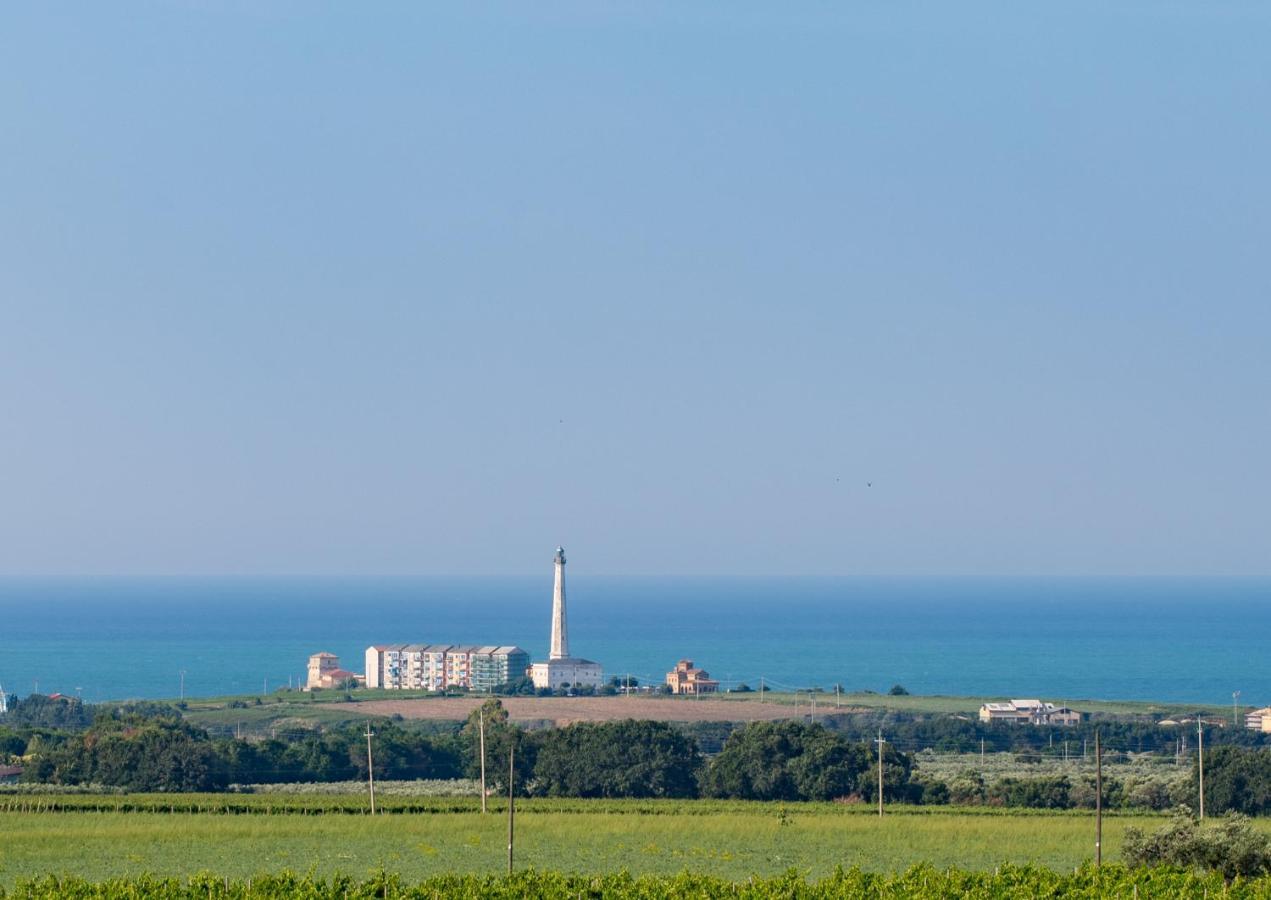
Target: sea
point(1065, 639)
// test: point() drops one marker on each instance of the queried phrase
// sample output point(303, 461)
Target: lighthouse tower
point(562, 670)
point(560, 633)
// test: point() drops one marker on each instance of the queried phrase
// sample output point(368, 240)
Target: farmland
point(566, 710)
point(732, 840)
point(289, 709)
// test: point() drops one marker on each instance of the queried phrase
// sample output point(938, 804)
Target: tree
point(898, 690)
point(1236, 779)
point(794, 761)
point(38, 710)
point(629, 758)
point(500, 736)
point(155, 754)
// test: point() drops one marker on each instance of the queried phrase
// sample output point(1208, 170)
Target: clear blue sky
point(307, 287)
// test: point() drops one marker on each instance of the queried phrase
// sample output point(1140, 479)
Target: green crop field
point(733, 840)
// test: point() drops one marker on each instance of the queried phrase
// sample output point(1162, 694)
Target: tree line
point(157, 750)
point(150, 747)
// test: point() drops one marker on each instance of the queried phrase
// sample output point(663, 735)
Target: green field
point(733, 840)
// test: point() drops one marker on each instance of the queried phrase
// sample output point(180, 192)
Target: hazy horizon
point(717, 290)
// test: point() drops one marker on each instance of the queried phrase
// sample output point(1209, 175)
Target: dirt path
point(563, 710)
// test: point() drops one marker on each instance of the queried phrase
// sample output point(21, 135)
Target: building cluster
point(436, 667)
point(1029, 712)
point(1259, 719)
point(325, 672)
point(685, 678)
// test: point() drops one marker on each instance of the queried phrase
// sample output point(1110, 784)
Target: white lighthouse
point(560, 633)
point(562, 670)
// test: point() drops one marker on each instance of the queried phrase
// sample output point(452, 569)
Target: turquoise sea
point(1173, 639)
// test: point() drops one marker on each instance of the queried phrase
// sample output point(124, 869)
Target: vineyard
point(917, 882)
point(318, 801)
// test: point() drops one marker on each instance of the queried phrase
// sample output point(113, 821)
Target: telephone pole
point(370, 766)
point(1235, 709)
point(511, 802)
point(1200, 764)
point(183, 684)
point(1098, 800)
point(761, 689)
point(813, 695)
point(880, 743)
point(481, 725)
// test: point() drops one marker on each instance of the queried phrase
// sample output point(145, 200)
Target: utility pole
point(981, 752)
point(837, 691)
point(183, 684)
point(1235, 709)
point(1200, 764)
point(1098, 800)
point(511, 802)
point(370, 766)
point(761, 689)
point(481, 725)
point(813, 696)
point(880, 743)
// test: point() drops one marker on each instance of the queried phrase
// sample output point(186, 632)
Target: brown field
point(564, 710)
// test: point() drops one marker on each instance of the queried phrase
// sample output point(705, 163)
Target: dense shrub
point(1229, 846)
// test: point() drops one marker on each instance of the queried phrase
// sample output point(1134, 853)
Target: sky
point(711, 288)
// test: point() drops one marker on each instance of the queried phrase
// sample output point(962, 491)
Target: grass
point(731, 841)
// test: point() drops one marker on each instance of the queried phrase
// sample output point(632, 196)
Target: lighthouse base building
point(562, 670)
point(566, 673)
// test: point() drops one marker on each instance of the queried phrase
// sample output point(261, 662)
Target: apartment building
point(435, 667)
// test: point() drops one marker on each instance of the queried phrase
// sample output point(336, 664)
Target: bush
point(1230, 847)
